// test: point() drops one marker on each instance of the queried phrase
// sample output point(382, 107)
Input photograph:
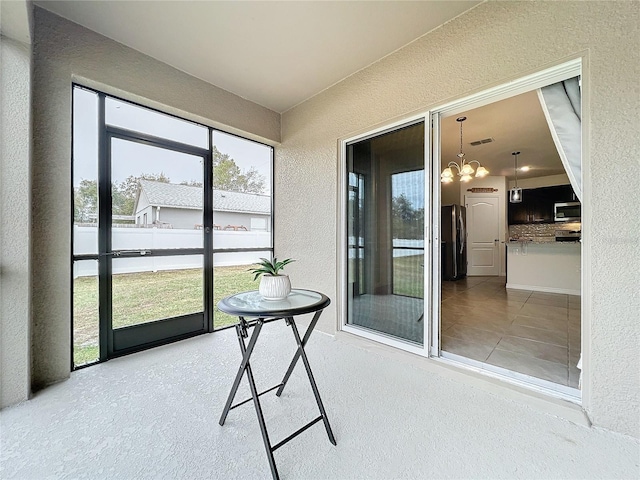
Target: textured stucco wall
point(62, 52)
point(15, 97)
point(494, 43)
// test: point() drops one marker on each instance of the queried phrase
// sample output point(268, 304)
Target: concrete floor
point(155, 415)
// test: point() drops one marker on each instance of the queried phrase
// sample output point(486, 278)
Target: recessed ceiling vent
point(480, 142)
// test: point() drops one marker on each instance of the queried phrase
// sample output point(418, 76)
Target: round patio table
point(253, 311)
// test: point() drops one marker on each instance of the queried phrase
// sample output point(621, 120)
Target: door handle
point(463, 234)
point(118, 253)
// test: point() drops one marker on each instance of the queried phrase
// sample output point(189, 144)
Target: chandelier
point(515, 194)
point(465, 170)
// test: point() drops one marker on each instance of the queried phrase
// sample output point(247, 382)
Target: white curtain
point(561, 106)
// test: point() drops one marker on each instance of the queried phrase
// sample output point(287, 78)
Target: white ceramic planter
point(274, 287)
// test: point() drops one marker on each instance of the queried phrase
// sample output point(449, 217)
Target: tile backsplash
point(541, 230)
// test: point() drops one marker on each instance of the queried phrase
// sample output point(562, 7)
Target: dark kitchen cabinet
point(534, 208)
point(537, 204)
point(563, 193)
point(519, 212)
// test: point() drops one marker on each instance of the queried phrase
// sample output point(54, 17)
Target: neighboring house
point(180, 206)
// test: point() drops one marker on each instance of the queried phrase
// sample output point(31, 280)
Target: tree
point(402, 208)
point(228, 176)
point(192, 183)
point(408, 222)
point(124, 194)
point(85, 201)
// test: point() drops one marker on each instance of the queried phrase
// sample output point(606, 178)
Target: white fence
point(86, 242)
point(405, 252)
point(416, 247)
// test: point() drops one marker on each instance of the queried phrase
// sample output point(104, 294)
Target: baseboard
point(536, 288)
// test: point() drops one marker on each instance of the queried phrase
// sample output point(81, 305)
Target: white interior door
point(483, 235)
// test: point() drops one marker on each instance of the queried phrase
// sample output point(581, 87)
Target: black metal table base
point(245, 366)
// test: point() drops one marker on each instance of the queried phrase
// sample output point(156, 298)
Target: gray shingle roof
point(185, 196)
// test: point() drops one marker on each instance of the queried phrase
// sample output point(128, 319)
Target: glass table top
point(253, 304)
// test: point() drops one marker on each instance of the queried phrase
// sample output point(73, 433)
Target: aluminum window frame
point(107, 132)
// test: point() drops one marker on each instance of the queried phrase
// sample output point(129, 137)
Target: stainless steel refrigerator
point(454, 242)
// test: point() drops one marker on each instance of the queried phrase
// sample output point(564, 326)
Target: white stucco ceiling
point(274, 53)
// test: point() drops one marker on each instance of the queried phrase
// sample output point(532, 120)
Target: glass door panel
point(386, 233)
point(155, 253)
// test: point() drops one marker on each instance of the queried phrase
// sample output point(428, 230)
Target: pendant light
point(515, 194)
point(464, 168)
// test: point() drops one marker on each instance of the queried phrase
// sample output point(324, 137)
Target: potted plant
point(273, 285)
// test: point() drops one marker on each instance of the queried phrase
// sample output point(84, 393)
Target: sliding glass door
point(385, 234)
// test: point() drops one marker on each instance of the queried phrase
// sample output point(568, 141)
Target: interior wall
point(450, 193)
point(496, 42)
point(15, 148)
point(537, 182)
point(64, 52)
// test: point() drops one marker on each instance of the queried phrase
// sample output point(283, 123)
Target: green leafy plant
point(268, 267)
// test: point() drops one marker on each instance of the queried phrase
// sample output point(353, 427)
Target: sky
point(411, 185)
point(130, 158)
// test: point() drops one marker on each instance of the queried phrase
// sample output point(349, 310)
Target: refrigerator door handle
point(463, 233)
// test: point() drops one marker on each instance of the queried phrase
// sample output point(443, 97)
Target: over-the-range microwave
point(567, 212)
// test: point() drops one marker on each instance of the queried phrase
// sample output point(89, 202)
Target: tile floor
point(533, 333)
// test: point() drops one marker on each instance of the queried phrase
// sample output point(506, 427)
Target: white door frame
point(525, 84)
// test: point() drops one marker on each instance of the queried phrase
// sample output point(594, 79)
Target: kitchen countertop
point(541, 241)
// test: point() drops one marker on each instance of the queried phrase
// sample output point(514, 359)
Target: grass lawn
point(148, 296)
point(408, 276)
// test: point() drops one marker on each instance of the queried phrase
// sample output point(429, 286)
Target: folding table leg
point(241, 331)
point(263, 425)
point(245, 365)
point(305, 339)
point(314, 387)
